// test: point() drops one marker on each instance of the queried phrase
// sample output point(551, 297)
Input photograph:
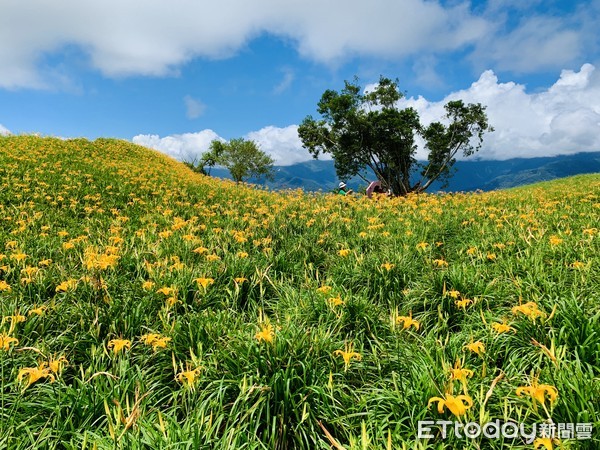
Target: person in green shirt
point(343, 189)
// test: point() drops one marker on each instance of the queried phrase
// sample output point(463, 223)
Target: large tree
point(368, 130)
point(241, 157)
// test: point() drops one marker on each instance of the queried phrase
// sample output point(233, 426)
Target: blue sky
point(175, 75)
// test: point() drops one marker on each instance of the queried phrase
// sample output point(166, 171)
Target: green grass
point(135, 231)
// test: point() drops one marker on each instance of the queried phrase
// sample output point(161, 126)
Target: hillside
point(145, 306)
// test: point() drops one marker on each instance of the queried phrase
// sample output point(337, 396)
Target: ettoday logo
point(506, 430)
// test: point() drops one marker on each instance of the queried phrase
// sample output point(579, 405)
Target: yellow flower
point(491, 256)
point(463, 303)
point(166, 291)
point(66, 285)
point(471, 251)
point(266, 333)
point(407, 322)
point(242, 255)
point(344, 252)
point(577, 265)
point(502, 327)
point(555, 240)
point(530, 309)
point(240, 280)
point(422, 245)
point(335, 301)
point(147, 285)
point(547, 442)
point(347, 354)
point(440, 263)
point(388, 266)
point(458, 373)
point(213, 257)
point(119, 344)
point(4, 286)
point(204, 282)
point(188, 377)
point(34, 374)
point(18, 256)
point(476, 347)
point(454, 294)
point(538, 392)
point(324, 289)
point(56, 365)
point(200, 250)
point(457, 405)
point(155, 340)
point(6, 341)
point(39, 311)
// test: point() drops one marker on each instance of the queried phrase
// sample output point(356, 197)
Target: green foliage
point(241, 157)
point(363, 130)
point(151, 247)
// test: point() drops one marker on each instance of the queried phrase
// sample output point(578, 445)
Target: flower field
point(144, 306)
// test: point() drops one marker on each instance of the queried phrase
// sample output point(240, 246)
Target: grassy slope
point(115, 241)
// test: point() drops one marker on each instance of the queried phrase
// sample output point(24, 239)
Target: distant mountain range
point(470, 175)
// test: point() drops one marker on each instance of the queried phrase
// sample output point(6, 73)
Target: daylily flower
point(538, 392)
point(34, 374)
point(204, 282)
point(119, 344)
point(155, 340)
point(39, 311)
point(458, 373)
point(476, 347)
point(6, 341)
point(530, 309)
point(407, 322)
point(344, 252)
point(388, 266)
point(546, 442)
point(457, 405)
point(56, 365)
point(502, 327)
point(463, 303)
point(266, 333)
point(188, 377)
point(347, 354)
point(335, 301)
point(4, 286)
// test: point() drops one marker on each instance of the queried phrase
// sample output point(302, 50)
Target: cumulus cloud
point(154, 37)
point(183, 147)
point(3, 130)
point(563, 119)
point(193, 108)
point(282, 144)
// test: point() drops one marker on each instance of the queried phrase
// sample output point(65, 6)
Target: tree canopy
point(241, 157)
point(368, 130)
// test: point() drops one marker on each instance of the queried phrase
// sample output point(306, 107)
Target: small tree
point(241, 157)
point(363, 130)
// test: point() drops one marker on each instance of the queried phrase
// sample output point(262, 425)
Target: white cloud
point(183, 147)
point(193, 108)
point(563, 119)
point(153, 37)
point(537, 43)
point(3, 130)
point(282, 144)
